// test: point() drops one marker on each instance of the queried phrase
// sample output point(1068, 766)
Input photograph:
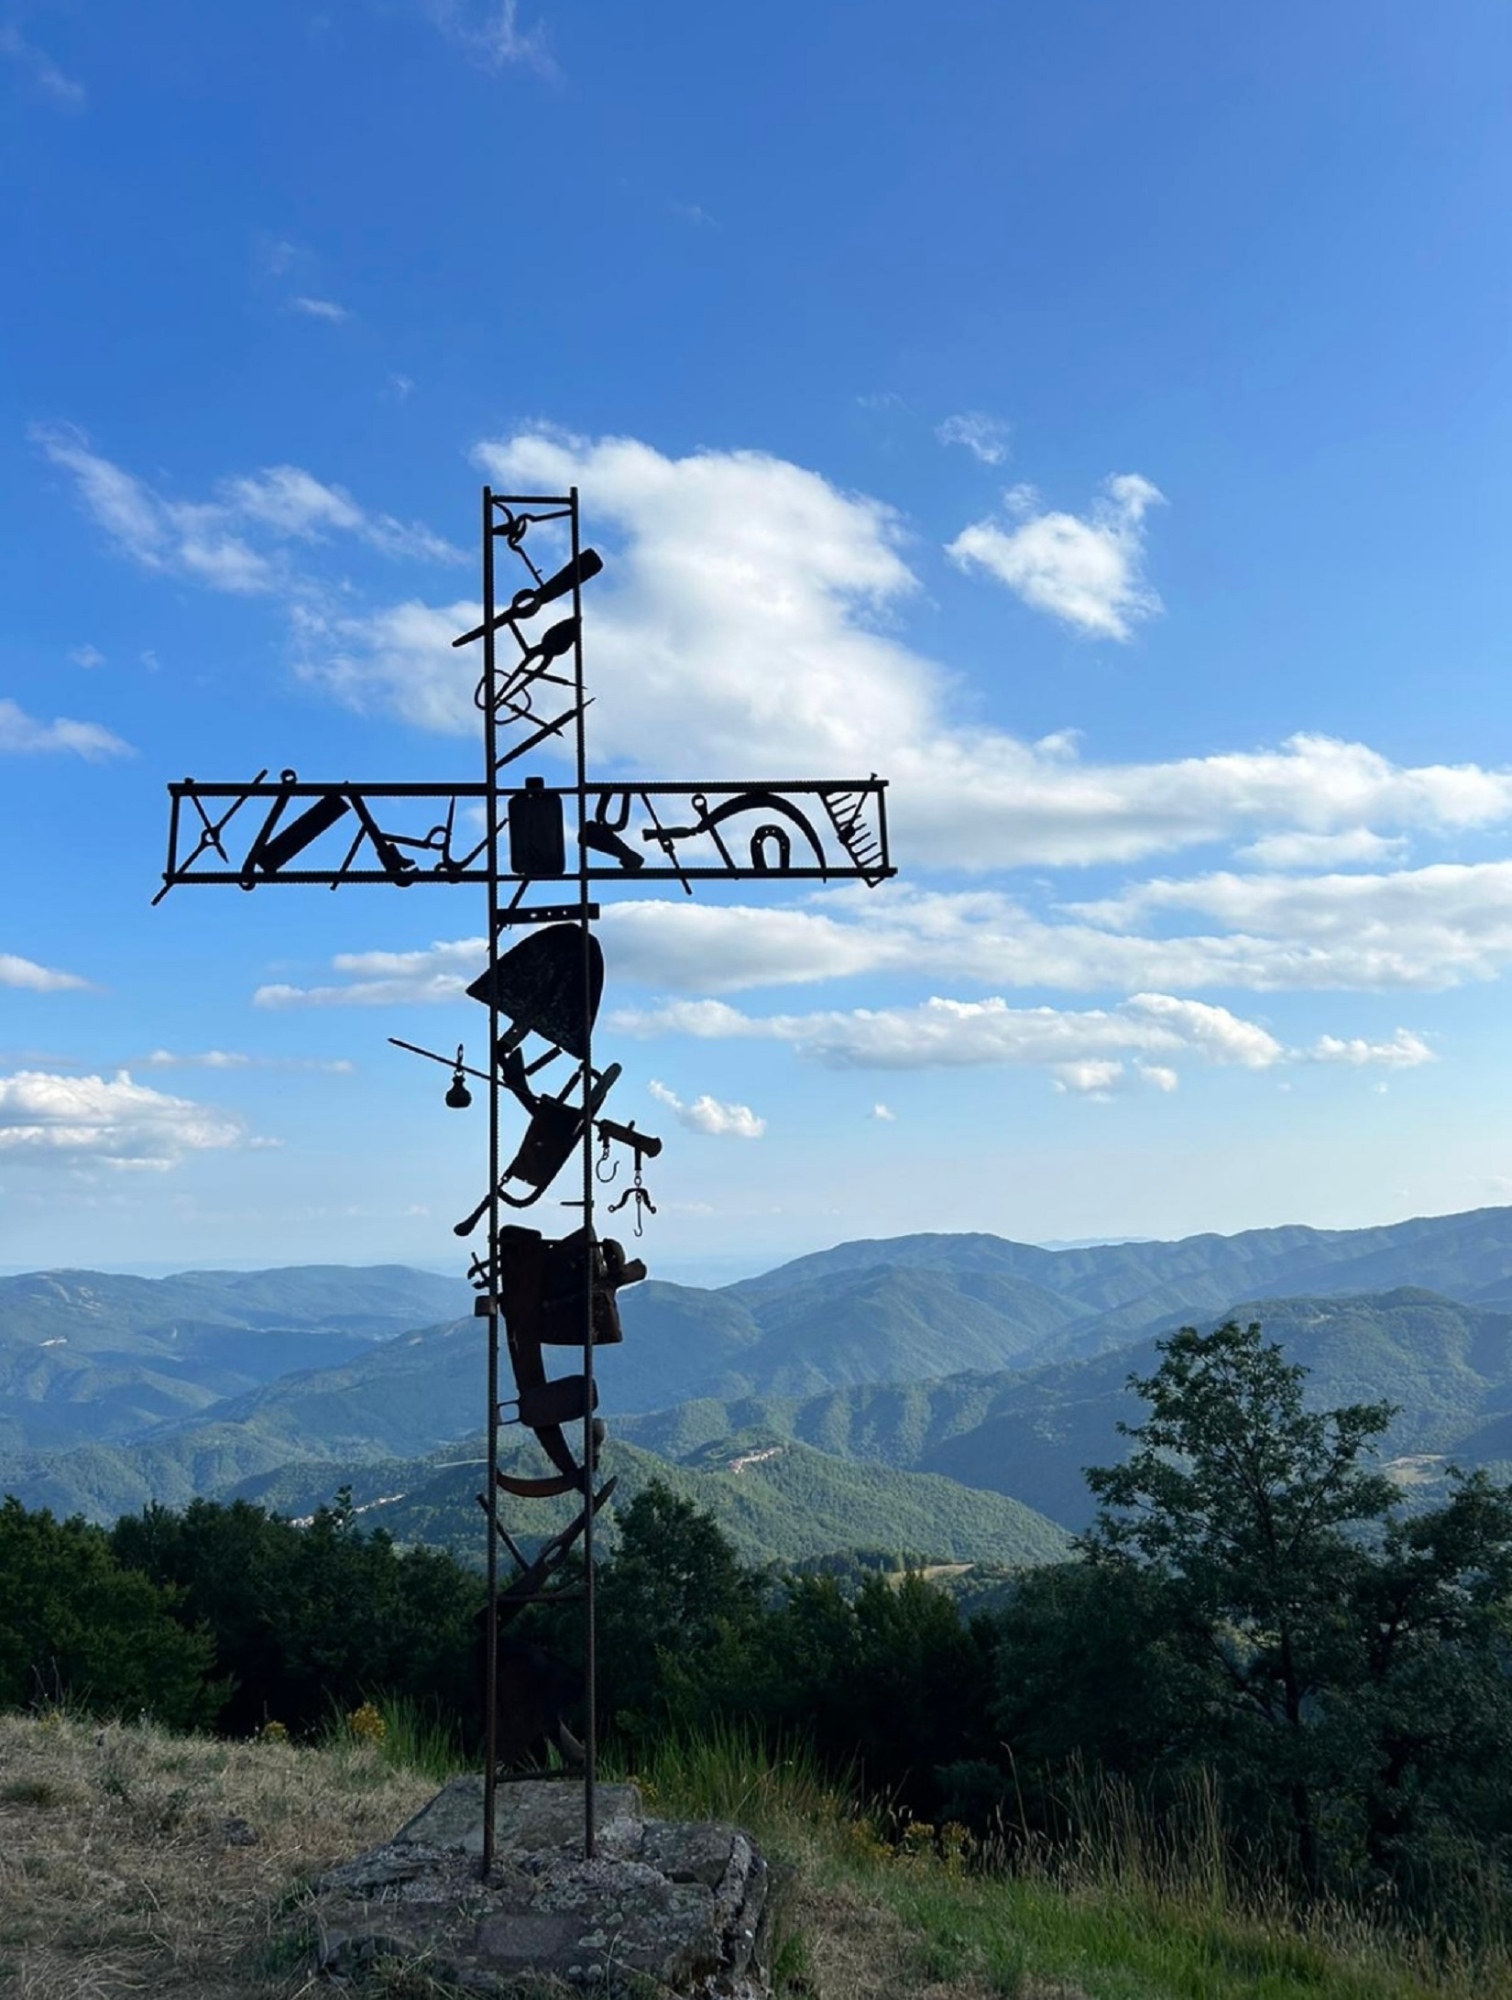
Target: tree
point(1238, 1497)
point(77, 1625)
point(672, 1602)
point(1351, 1658)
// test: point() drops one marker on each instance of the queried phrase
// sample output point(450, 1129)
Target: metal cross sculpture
point(542, 997)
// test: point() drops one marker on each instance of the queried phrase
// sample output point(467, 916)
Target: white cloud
point(389, 978)
point(212, 541)
point(236, 1059)
point(400, 659)
point(745, 613)
point(87, 656)
point(883, 1114)
point(21, 735)
point(326, 309)
point(89, 1120)
point(707, 1115)
point(1092, 1077)
point(1321, 850)
point(294, 504)
point(1083, 1049)
point(492, 33)
point(942, 1033)
point(178, 537)
point(1421, 928)
point(1211, 1031)
point(986, 438)
point(1159, 1076)
point(1404, 1051)
point(1450, 931)
point(1087, 573)
point(31, 978)
point(41, 68)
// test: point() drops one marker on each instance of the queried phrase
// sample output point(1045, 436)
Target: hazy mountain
point(88, 1356)
point(1029, 1434)
point(997, 1364)
point(1120, 1289)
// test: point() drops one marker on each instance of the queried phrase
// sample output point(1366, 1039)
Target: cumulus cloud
point(389, 978)
point(43, 72)
point(31, 978)
point(950, 1034)
point(883, 1115)
point(1086, 1049)
point(95, 1121)
point(1321, 850)
point(1425, 927)
point(1425, 938)
point(1091, 1077)
point(707, 1115)
point(22, 735)
point(748, 612)
point(1086, 572)
point(986, 438)
point(214, 542)
point(87, 656)
point(1404, 1051)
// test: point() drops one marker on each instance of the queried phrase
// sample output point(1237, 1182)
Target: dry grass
point(134, 1862)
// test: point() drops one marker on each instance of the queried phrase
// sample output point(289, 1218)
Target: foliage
point(1256, 1603)
point(1261, 1658)
point(304, 1618)
point(78, 1627)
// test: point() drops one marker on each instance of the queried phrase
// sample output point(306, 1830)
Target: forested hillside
point(1263, 1657)
point(996, 1365)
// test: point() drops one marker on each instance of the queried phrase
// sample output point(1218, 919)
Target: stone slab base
point(666, 1907)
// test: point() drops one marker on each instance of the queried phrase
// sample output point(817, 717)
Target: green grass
point(406, 1735)
point(1133, 1912)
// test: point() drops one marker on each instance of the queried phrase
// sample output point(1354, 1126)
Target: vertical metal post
point(491, 775)
point(590, 1465)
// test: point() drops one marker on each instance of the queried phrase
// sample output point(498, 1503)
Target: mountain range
point(997, 1366)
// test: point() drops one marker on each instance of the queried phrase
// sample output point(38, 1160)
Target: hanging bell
point(459, 1096)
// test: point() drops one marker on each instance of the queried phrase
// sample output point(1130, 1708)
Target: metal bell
point(459, 1096)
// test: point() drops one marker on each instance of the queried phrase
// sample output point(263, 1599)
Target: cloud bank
point(115, 1123)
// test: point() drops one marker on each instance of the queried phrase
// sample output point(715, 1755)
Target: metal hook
point(640, 1195)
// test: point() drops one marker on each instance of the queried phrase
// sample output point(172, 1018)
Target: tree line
point(1255, 1608)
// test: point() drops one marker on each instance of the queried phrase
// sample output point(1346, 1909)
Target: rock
point(663, 1908)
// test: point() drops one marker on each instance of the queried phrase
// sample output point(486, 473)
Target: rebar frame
point(842, 824)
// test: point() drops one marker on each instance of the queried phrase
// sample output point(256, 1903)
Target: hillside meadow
point(133, 1860)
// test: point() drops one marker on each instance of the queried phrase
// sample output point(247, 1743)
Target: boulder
point(665, 1907)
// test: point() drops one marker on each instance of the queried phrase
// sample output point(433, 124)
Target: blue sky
point(1094, 419)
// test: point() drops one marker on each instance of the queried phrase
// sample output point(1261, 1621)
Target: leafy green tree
point(307, 1619)
point(75, 1624)
point(1237, 1497)
point(674, 1605)
point(1343, 1664)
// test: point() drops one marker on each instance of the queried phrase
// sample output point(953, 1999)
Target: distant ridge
point(997, 1364)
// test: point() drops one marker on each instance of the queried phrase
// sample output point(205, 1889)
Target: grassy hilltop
point(135, 1861)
